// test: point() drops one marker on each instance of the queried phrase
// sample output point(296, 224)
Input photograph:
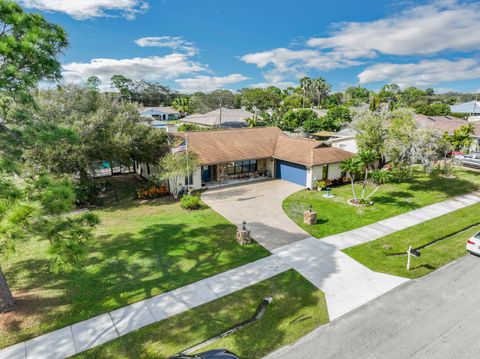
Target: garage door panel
point(291, 172)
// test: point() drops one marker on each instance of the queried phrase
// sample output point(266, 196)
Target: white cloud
point(423, 73)
point(419, 30)
point(286, 63)
point(172, 42)
point(209, 83)
point(155, 68)
point(84, 9)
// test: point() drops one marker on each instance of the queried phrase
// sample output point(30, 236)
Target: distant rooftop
point(471, 107)
point(159, 110)
point(224, 117)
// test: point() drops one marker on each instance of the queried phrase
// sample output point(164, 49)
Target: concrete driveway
point(260, 205)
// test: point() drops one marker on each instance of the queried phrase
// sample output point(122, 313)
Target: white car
point(473, 244)
point(471, 159)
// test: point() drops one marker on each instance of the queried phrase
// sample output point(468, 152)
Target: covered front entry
point(291, 172)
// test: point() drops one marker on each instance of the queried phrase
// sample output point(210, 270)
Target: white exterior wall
point(347, 144)
point(196, 181)
point(334, 171)
point(316, 173)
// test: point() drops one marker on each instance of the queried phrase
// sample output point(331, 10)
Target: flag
point(180, 148)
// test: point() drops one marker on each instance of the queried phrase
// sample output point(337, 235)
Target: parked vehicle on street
point(473, 244)
point(211, 354)
point(471, 159)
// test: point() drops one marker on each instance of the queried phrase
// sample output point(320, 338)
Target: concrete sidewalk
point(346, 283)
point(82, 336)
point(387, 226)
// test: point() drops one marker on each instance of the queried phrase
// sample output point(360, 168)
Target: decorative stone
point(243, 236)
point(310, 217)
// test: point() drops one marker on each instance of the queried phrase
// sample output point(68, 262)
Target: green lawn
point(377, 255)
point(297, 308)
point(335, 215)
point(140, 250)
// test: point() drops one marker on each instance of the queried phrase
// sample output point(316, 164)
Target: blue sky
point(195, 45)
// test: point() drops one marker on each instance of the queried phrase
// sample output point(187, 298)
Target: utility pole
point(221, 107)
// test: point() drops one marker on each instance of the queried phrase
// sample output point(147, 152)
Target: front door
point(206, 173)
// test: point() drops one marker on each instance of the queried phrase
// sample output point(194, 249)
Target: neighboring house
point(161, 113)
point(344, 140)
point(471, 109)
point(222, 118)
point(449, 124)
point(242, 154)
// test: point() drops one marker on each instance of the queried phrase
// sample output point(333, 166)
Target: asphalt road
point(437, 316)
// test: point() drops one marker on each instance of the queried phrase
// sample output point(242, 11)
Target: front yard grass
point(335, 215)
point(297, 308)
point(140, 250)
point(377, 255)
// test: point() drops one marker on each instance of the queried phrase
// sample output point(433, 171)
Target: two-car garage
point(291, 172)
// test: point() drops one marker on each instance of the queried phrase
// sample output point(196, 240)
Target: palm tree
point(352, 167)
point(306, 85)
point(367, 158)
point(182, 105)
point(321, 88)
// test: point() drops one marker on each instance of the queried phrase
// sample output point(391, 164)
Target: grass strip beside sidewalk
point(297, 308)
point(455, 228)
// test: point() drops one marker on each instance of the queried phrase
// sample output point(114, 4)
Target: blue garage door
point(291, 172)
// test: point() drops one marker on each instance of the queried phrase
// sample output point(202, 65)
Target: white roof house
point(222, 117)
point(471, 107)
point(161, 112)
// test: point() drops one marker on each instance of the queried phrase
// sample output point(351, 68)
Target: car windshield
point(477, 236)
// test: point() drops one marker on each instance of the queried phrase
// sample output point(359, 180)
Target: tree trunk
point(364, 183)
point(353, 190)
point(6, 299)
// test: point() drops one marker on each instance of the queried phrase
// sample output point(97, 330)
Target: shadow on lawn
point(397, 198)
point(121, 270)
point(448, 186)
point(291, 300)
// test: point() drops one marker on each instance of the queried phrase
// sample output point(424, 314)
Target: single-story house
point(242, 154)
point(449, 124)
point(222, 117)
point(165, 113)
point(344, 140)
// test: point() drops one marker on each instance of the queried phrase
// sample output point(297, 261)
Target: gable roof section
point(219, 146)
point(445, 123)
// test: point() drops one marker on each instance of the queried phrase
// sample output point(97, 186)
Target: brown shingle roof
point(445, 123)
point(219, 146)
point(262, 142)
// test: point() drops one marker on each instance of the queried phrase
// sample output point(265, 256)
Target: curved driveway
point(346, 283)
point(260, 205)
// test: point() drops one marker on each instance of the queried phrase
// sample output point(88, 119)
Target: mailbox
point(414, 252)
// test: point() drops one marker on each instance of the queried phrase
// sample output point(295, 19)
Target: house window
point(239, 167)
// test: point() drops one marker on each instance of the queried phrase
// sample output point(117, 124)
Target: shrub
point(190, 202)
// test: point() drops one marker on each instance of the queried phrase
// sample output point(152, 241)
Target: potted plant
point(320, 184)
